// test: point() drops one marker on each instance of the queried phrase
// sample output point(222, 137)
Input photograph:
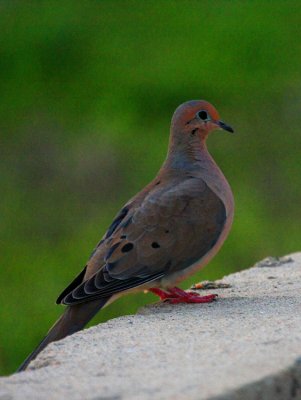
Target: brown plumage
point(169, 230)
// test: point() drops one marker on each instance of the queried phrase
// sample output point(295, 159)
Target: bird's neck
point(187, 156)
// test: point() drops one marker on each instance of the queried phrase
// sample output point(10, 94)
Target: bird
point(167, 232)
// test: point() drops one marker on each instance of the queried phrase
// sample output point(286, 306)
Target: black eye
point(203, 115)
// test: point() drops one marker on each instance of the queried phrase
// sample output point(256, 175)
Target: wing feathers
point(167, 229)
point(80, 295)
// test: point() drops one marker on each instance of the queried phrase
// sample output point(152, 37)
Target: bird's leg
point(177, 295)
point(161, 293)
point(180, 296)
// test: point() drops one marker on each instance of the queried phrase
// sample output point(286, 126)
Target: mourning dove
point(168, 231)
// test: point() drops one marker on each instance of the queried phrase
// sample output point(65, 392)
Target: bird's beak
point(224, 126)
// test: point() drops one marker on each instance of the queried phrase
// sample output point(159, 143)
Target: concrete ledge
point(246, 345)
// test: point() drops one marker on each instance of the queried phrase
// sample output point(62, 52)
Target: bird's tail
point(73, 320)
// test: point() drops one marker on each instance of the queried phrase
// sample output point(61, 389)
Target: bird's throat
point(187, 156)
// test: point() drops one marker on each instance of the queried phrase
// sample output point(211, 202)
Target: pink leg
point(161, 293)
point(177, 295)
point(189, 297)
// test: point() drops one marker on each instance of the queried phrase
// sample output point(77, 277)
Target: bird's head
point(197, 118)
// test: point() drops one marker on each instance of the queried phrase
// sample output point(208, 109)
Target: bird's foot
point(177, 295)
point(162, 294)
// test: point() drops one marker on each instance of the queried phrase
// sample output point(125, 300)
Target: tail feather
point(73, 320)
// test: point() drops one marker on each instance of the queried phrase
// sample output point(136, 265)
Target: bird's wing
point(172, 227)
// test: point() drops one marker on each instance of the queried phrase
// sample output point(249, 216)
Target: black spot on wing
point(127, 247)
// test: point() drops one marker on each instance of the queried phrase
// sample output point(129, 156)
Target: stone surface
point(246, 345)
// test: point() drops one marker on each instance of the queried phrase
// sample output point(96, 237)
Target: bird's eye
point(203, 115)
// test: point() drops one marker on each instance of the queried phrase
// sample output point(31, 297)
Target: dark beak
point(224, 126)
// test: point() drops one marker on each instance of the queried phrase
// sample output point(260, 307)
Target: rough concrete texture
point(246, 345)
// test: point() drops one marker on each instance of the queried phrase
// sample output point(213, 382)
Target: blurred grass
point(87, 93)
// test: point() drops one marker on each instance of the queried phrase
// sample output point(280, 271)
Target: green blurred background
point(87, 90)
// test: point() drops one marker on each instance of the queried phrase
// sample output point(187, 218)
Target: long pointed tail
point(73, 320)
